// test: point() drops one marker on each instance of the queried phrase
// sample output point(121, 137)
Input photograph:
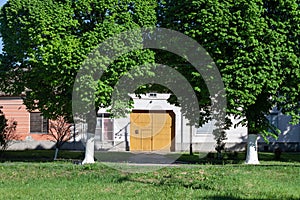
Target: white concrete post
point(252, 153)
point(89, 149)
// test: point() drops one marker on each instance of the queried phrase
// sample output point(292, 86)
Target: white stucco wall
point(204, 139)
point(289, 133)
point(201, 142)
point(236, 137)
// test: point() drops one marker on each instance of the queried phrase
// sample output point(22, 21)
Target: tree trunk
point(89, 149)
point(252, 153)
point(90, 142)
point(56, 153)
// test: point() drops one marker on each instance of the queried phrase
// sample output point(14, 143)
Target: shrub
point(7, 131)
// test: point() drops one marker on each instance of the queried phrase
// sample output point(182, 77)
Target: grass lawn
point(65, 180)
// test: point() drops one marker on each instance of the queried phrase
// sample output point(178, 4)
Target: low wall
point(284, 146)
point(197, 147)
point(25, 145)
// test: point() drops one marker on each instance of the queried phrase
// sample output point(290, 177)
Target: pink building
point(30, 125)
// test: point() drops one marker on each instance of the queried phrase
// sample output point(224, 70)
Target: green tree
point(3, 125)
point(45, 43)
point(255, 45)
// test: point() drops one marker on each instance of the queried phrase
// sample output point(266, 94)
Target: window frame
point(42, 122)
point(101, 128)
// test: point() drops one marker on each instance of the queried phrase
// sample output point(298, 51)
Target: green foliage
point(7, 131)
point(3, 125)
point(45, 43)
point(255, 45)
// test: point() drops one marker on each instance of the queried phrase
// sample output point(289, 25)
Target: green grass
point(64, 180)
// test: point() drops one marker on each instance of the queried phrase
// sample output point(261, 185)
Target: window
point(153, 95)
point(104, 128)
point(207, 128)
point(38, 124)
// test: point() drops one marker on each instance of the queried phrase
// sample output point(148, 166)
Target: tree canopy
point(45, 43)
point(255, 45)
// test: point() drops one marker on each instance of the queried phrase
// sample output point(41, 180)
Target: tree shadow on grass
point(236, 158)
point(194, 180)
point(211, 158)
point(39, 156)
point(232, 198)
point(178, 158)
point(217, 197)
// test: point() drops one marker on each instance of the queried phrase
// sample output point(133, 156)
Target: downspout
point(181, 133)
point(191, 140)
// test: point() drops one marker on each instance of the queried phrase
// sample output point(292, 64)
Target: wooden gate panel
point(151, 131)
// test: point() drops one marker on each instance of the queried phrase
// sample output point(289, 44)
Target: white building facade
point(156, 125)
point(129, 134)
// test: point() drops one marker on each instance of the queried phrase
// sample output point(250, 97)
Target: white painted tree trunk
point(56, 153)
point(252, 153)
point(89, 149)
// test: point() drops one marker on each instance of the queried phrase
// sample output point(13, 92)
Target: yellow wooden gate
point(152, 131)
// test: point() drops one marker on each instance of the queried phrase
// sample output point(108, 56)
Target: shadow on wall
point(237, 146)
point(287, 142)
point(289, 138)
